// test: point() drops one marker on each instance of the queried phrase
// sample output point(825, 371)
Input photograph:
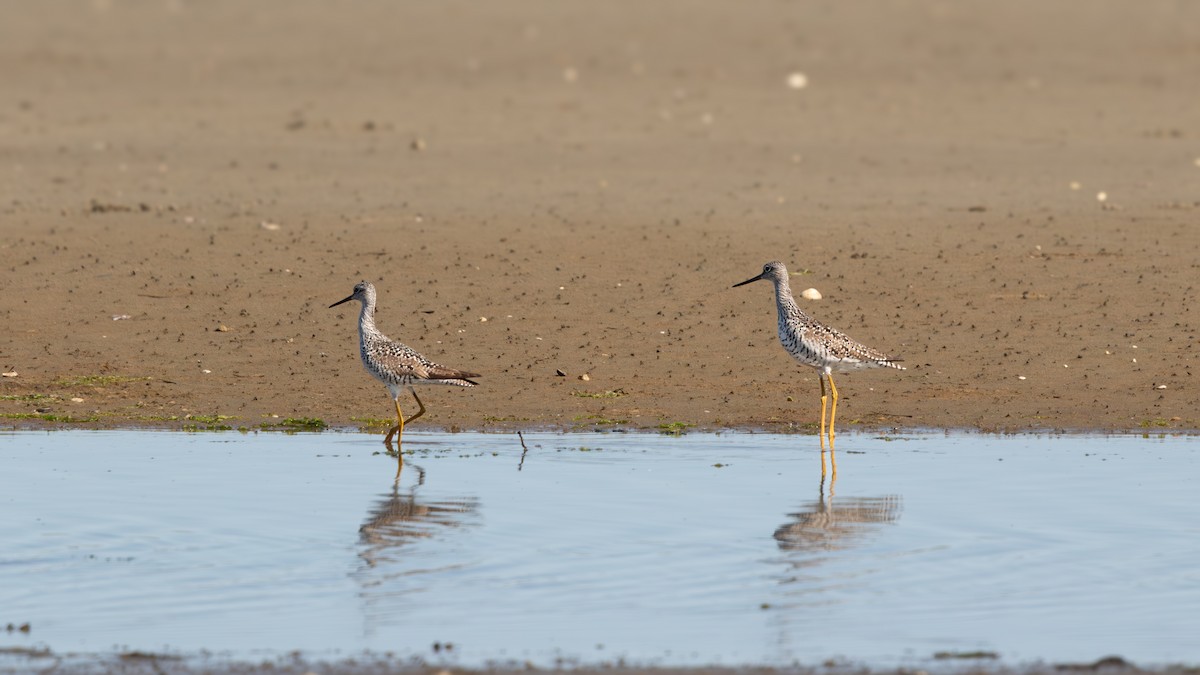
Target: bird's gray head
point(773, 271)
point(364, 292)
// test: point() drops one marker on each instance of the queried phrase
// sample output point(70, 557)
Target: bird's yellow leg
point(832, 411)
point(419, 404)
point(398, 430)
point(821, 379)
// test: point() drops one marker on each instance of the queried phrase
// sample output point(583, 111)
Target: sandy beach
point(1004, 194)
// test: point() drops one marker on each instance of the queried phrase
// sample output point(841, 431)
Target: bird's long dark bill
point(341, 301)
point(747, 281)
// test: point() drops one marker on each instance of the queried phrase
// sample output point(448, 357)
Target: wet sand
point(137, 663)
point(1004, 194)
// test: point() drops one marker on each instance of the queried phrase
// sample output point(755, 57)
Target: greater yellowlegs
point(814, 344)
point(396, 365)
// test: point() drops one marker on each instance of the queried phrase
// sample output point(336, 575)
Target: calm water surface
point(728, 549)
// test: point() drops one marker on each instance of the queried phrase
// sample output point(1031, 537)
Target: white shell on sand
point(810, 294)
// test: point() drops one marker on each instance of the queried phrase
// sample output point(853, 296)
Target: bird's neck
point(784, 299)
point(786, 303)
point(366, 319)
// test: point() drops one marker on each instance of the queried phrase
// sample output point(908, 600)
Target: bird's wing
point(844, 346)
point(435, 371)
point(402, 363)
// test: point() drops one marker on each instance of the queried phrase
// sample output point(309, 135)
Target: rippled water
point(728, 549)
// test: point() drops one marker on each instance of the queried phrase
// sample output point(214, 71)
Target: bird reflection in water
point(825, 525)
point(400, 518)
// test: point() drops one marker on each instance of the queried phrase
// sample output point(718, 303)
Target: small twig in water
point(524, 449)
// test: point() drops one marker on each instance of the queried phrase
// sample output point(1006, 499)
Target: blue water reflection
point(731, 549)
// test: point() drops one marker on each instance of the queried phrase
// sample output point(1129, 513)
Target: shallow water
point(728, 549)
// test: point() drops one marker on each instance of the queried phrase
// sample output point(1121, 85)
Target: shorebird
point(814, 344)
point(396, 365)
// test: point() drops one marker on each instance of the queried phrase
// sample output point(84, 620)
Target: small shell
point(810, 294)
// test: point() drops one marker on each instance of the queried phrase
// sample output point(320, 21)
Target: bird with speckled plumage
point(397, 365)
point(814, 344)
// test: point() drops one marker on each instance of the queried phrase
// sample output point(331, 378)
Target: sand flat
point(994, 191)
